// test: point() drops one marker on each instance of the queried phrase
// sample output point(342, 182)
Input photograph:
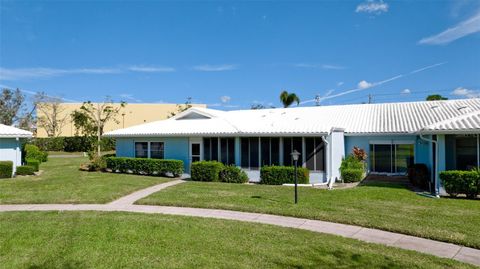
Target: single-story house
point(11, 144)
point(443, 135)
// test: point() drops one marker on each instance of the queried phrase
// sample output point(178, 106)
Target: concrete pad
point(428, 246)
point(280, 221)
point(330, 228)
point(233, 215)
point(468, 255)
point(377, 236)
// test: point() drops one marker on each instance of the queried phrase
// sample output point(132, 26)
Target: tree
point(257, 106)
point(91, 118)
point(435, 97)
point(52, 118)
point(288, 99)
point(181, 108)
point(11, 105)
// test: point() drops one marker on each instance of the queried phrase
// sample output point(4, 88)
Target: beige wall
point(134, 114)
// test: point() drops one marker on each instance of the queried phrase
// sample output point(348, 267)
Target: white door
point(195, 150)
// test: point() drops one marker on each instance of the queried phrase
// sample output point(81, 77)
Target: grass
point(386, 207)
point(62, 182)
point(129, 240)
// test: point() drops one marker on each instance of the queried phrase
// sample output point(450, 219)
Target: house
point(130, 115)
point(441, 134)
point(10, 144)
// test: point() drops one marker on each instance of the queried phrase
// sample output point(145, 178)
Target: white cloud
point(406, 91)
point(41, 72)
point(466, 93)
point(215, 68)
point(320, 66)
point(340, 83)
point(150, 69)
point(364, 85)
point(130, 97)
point(464, 28)
point(225, 99)
point(372, 7)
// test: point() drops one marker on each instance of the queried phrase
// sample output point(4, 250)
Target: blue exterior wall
point(422, 148)
point(175, 147)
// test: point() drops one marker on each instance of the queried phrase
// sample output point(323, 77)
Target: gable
point(193, 116)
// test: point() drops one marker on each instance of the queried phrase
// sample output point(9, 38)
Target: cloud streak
point(362, 85)
point(464, 28)
point(215, 68)
point(44, 72)
point(319, 66)
point(372, 7)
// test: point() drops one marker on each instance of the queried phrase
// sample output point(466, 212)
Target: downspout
point(435, 178)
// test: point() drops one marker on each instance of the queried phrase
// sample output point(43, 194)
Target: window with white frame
point(154, 150)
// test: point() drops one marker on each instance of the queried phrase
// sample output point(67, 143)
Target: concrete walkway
point(125, 204)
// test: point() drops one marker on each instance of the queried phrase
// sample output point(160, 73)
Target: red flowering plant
point(359, 154)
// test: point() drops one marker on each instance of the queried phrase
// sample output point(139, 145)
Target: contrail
point(375, 84)
point(34, 93)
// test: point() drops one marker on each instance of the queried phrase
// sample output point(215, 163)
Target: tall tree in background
point(11, 106)
point(91, 118)
point(181, 108)
point(288, 99)
point(435, 97)
point(51, 118)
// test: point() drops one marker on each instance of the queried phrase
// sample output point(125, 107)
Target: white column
point(337, 151)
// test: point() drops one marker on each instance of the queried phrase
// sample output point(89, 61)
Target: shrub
point(206, 171)
point(233, 174)
point(418, 175)
point(142, 166)
point(35, 164)
point(351, 162)
point(25, 170)
point(33, 152)
point(461, 182)
point(95, 164)
point(278, 175)
point(49, 143)
point(6, 169)
point(352, 175)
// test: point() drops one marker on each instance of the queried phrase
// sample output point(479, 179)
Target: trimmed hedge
point(206, 170)
point(352, 175)
point(143, 166)
point(233, 174)
point(73, 143)
point(278, 175)
point(461, 182)
point(418, 175)
point(6, 169)
point(35, 164)
point(25, 170)
point(32, 152)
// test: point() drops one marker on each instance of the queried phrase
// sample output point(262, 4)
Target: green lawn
point(128, 240)
point(62, 182)
point(386, 207)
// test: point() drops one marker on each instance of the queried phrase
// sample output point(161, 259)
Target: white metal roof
point(387, 118)
point(10, 132)
point(468, 123)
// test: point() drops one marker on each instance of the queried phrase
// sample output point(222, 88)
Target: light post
point(295, 154)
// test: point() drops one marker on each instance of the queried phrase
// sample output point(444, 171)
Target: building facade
point(130, 115)
point(441, 134)
point(11, 140)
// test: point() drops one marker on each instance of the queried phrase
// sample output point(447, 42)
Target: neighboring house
point(11, 144)
point(441, 134)
point(132, 114)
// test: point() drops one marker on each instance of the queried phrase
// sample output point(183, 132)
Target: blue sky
point(233, 54)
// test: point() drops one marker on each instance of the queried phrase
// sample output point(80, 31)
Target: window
point(270, 148)
point(141, 149)
point(315, 151)
point(289, 145)
point(149, 150)
point(227, 149)
point(466, 152)
point(210, 149)
point(156, 150)
point(391, 157)
point(249, 152)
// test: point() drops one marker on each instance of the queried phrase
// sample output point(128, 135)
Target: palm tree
point(288, 99)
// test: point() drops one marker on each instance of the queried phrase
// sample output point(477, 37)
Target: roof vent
point(283, 113)
point(433, 107)
point(297, 118)
point(462, 107)
point(263, 116)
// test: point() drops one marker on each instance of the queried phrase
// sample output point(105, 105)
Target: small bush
point(278, 175)
point(206, 170)
point(233, 174)
point(32, 152)
point(25, 170)
point(143, 166)
point(6, 169)
point(95, 164)
point(461, 182)
point(418, 175)
point(351, 162)
point(34, 163)
point(352, 175)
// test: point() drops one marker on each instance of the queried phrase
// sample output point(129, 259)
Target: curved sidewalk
point(125, 204)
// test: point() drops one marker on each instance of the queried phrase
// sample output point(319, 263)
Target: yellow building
point(131, 114)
